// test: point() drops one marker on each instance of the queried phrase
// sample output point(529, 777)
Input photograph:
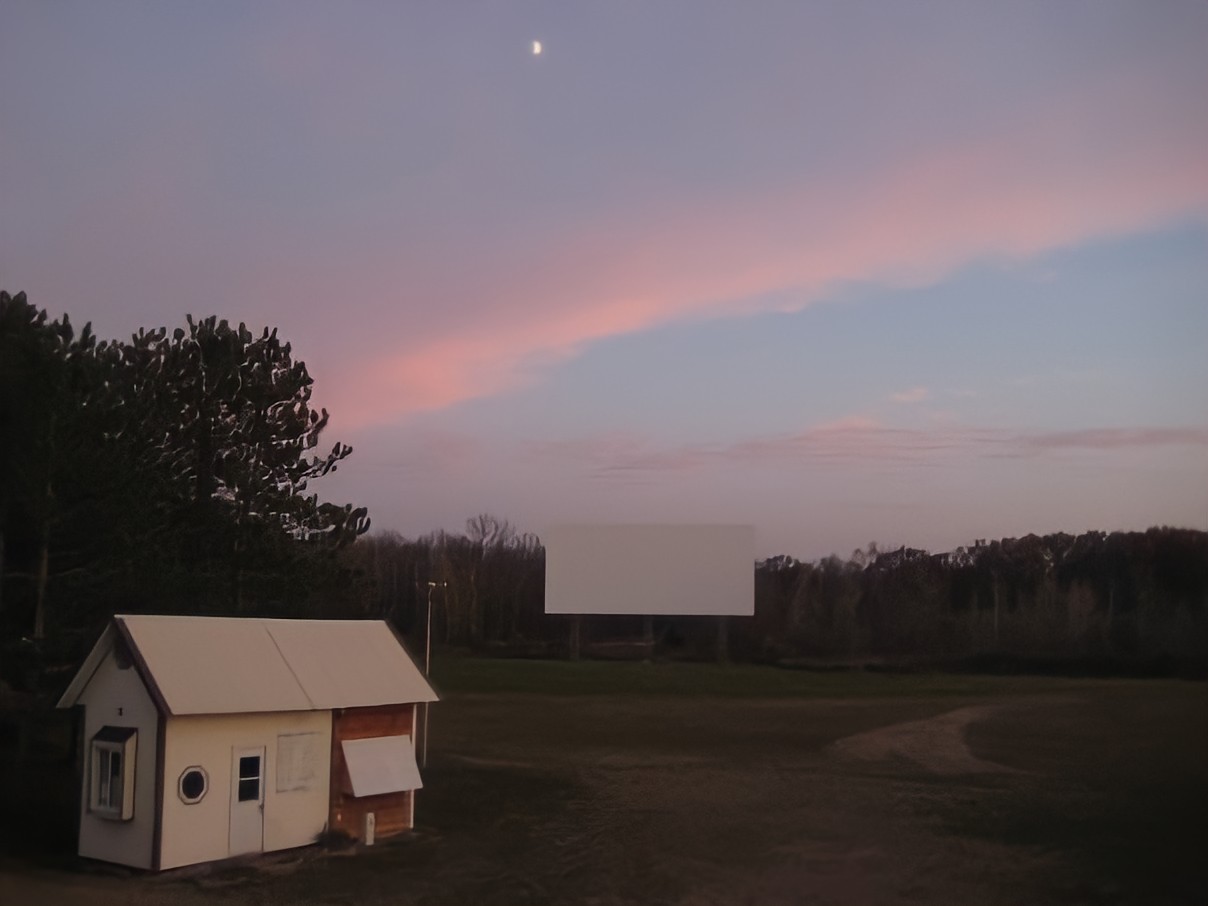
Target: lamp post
point(428, 662)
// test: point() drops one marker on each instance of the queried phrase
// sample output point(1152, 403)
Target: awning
point(381, 764)
point(114, 734)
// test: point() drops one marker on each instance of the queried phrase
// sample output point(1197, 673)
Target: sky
point(849, 272)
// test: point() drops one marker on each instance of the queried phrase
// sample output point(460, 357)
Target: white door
point(247, 800)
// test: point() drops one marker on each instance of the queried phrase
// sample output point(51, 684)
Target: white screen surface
point(650, 569)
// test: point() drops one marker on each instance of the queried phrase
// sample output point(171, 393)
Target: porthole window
point(194, 782)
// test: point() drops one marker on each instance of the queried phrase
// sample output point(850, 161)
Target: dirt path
point(938, 744)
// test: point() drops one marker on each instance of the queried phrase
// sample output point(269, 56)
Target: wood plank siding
point(392, 811)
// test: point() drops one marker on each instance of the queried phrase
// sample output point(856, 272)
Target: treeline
point(164, 473)
point(1121, 597)
point(169, 473)
point(486, 587)
point(1124, 598)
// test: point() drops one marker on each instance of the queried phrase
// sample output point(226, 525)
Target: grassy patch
point(1116, 783)
point(623, 783)
point(456, 674)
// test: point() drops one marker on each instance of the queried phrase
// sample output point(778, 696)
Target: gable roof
point(231, 665)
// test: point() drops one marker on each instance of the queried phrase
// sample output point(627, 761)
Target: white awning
point(381, 764)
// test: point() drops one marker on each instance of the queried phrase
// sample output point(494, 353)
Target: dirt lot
point(1003, 791)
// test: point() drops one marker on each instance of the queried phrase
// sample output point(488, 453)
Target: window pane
point(111, 779)
point(102, 774)
point(249, 790)
point(249, 766)
point(112, 758)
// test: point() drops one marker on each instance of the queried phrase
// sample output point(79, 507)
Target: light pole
point(428, 662)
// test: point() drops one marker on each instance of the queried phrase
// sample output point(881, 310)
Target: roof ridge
point(233, 665)
point(290, 667)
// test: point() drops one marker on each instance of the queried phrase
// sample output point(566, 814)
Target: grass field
point(484, 675)
point(602, 783)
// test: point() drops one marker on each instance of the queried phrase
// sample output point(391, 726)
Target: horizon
point(868, 551)
point(911, 276)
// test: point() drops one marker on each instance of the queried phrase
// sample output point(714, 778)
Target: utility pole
point(428, 661)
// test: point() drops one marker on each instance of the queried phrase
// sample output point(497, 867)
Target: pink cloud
point(913, 395)
point(452, 323)
point(437, 324)
point(858, 440)
point(917, 221)
point(1115, 439)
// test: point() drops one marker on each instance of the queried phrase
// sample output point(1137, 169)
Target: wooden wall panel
point(392, 814)
point(392, 811)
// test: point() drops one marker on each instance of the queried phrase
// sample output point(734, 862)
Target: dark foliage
point(1128, 602)
point(168, 473)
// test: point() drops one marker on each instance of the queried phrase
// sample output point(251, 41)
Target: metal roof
point(231, 665)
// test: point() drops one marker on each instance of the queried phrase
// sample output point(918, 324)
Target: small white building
point(209, 737)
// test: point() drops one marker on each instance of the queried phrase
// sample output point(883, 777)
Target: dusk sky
point(913, 273)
